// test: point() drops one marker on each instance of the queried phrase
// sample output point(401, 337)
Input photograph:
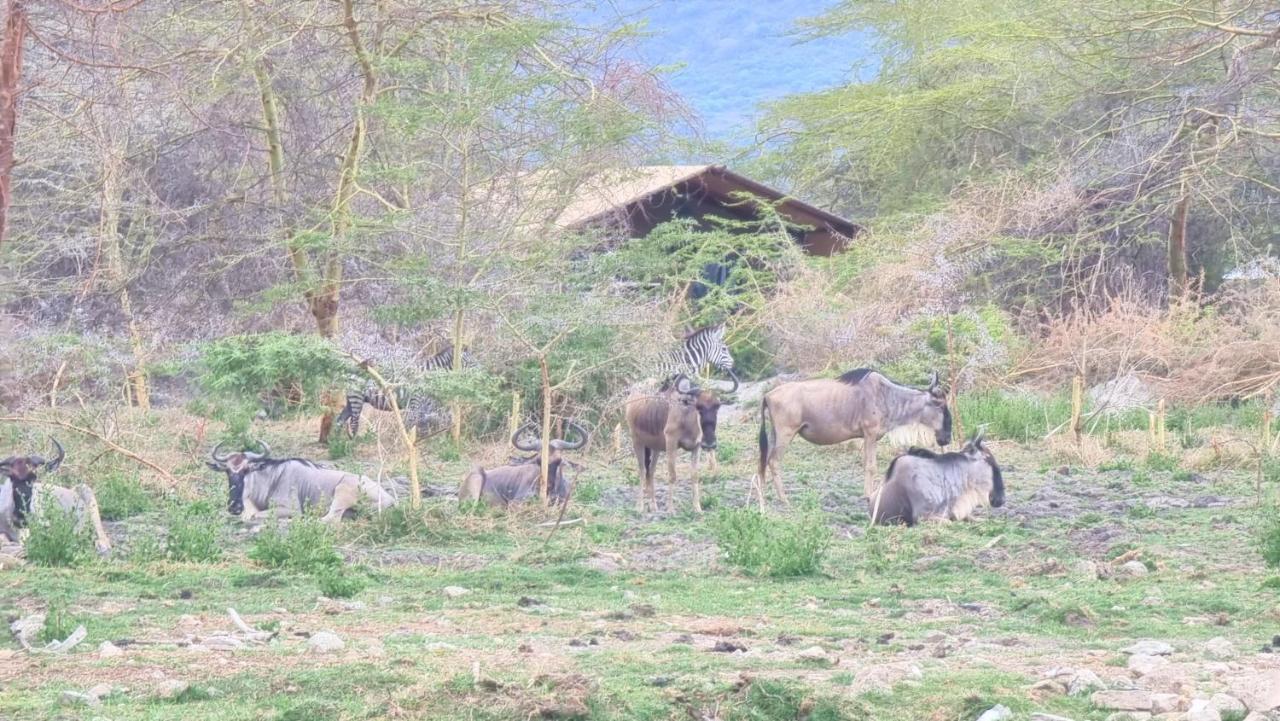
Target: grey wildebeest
point(679, 416)
point(21, 497)
point(921, 485)
point(519, 481)
point(256, 482)
point(862, 403)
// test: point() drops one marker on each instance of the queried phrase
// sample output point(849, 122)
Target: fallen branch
point(168, 477)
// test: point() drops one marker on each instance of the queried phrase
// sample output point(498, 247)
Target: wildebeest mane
point(273, 462)
point(855, 376)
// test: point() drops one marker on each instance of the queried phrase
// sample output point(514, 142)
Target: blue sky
point(735, 54)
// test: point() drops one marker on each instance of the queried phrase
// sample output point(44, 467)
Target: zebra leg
point(350, 415)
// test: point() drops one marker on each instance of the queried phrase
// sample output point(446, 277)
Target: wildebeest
point(862, 403)
point(921, 485)
point(21, 497)
point(679, 416)
point(256, 482)
point(518, 481)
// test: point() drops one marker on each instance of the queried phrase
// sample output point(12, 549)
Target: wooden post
point(1077, 407)
point(1151, 429)
point(514, 424)
point(415, 487)
point(1160, 435)
point(1267, 419)
point(546, 430)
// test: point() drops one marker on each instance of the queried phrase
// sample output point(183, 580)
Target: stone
point(325, 642)
point(1122, 700)
point(106, 649)
point(1201, 710)
point(1086, 568)
point(1219, 649)
point(1144, 665)
point(1084, 681)
point(1130, 716)
point(1149, 647)
point(1049, 686)
point(1048, 717)
point(999, 712)
point(813, 654)
point(1228, 705)
point(455, 591)
point(1162, 703)
point(603, 564)
point(934, 637)
point(171, 689)
point(75, 698)
point(1260, 691)
point(101, 691)
point(1134, 569)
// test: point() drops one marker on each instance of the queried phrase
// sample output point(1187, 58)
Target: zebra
point(703, 346)
point(427, 414)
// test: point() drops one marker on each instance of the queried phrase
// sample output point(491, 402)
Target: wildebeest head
point(936, 414)
point(22, 469)
point(974, 450)
point(237, 466)
point(701, 401)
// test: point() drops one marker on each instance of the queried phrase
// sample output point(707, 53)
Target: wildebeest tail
point(765, 433)
point(90, 501)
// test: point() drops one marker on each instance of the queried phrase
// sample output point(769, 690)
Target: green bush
point(120, 497)
point(1269, 538)
point(307, 545)
point(336, 582)
point(58, 624)
point(146, 548)
point(771, 545)
point(588, 491)
point(193, 534)
point(1157, 461)
point(271, 366)
point(54, 539)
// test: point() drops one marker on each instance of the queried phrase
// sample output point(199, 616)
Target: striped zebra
point(427, 414)
point(699, 348)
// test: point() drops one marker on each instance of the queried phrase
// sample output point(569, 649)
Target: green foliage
point(1012, 416)
point(193, 534)
point(338, 582)
point(54, 539)
point(778, 546)
point(270, 366)
point(587, 491)
point(120, 497)
point(777, 700)
point(397, 523)
point(1157, 461)
point(58, 623)
point(145, 547)
point(1269, 538)
point(306, 545)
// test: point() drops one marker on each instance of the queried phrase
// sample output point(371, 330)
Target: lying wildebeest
point(859, 404)
point(921, 485)
point(256, 482)
point(21, 497)
point(679, 416)
point(518, 481)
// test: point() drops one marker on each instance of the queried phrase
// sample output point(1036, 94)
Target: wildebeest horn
point(266, 449)
point(734, 376)
point(57, 461)
point(683, 384)
point(577, 430)
point(515, 438)
point(933, 382)
point(213, 454)
point(977, 439)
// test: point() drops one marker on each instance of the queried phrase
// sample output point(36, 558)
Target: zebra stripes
point(426, 414)
point(703, 346)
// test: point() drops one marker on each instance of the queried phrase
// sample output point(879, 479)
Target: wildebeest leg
point(673, 449)
point(869, 484)
point(642, 460)
point(345, 495)
point(90, 513)
point(697, 485)
point(713, 464)
point(781, 441)
point(651, 467)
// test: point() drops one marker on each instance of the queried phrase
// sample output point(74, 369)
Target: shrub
point(146, 547)
point(307, 545)
point(120, 497)
point(403, 521)
point(773, 546)
point(587, 491)
point(336, 582)
point(193, 534)
point(58, 624)
point(1269, 539)
point(1157, 461)
point(54, 539)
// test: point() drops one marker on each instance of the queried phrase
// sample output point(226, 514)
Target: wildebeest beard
point(22, 492)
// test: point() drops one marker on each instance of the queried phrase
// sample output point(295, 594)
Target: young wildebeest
point(921, 485)
point(679, 416)
point(859, 404)
point(518, 481)
point(21, 496)
point(256, 482)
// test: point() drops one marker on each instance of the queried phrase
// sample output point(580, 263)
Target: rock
point(101, 691)
point(1219, 649)
point(1130, 716)
point(813, 654)
point(1084, 681)
point(1149, 647)
point(1049, 686)
point(1047, 717)
point(1228, 705)
point(606, 564)
point(728, 647)
point(75, 698)
point(325, 642)
point(8, 562)
point(455, 591)
point(1260, 691)
point(1201, 710)
point(1125, 700)
point(934, 637)
point(27, 628)
point(1086, 568)
point(171, 689)
point(1133, 569)
point(1255, 716)
point(1144, 665)
point(528, 602)
point(999, 712)
point(1162, 703)
point(106, 649)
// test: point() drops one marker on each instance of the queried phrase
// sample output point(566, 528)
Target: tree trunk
point(1178, 284)
point(117, 273)
point(15, 28)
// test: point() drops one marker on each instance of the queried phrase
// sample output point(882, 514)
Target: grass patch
point(120, 497)
point(1269, 538)
point(1157, 461)
point(773, 545)
point(193, 534)
point(339, 582)
point(307, 545)
point(58, 624)
point(54, 539)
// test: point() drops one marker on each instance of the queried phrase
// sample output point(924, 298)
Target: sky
point(732, 55)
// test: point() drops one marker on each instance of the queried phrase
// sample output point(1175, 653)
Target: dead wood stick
point(100, 438)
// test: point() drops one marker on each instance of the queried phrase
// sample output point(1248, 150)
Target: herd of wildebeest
point(664, 416)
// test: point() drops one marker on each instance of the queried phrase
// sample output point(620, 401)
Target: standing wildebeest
point(679, 416)
point(516, 482)
point(21, 497)
point(859, 404)
point(256, 482)
point(921, 485)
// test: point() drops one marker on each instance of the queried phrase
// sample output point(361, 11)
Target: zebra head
point(715, 351)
